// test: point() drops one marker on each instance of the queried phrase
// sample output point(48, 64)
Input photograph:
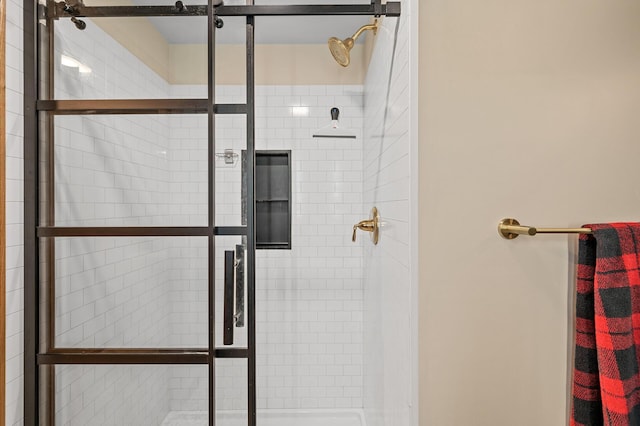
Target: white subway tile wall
point(110, 292)
point(387, 185)
point(92, 65)
point(152, 292)
point(14, 209)
point(95, 394)
point(309, 298)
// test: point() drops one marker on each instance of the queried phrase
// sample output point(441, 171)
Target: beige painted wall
point(142, 39)
point(527, 109)
point(138, 35)
point(296, 64)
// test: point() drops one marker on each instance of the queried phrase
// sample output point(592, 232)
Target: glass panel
point(231, 140)
point(230, 93)
point(131, 292)
point(289, 2)
point(141, 395)
point(189, 396)
point(307, 29)
point(231, 61)
point(310, 299)
point(131, 170)
point(131, 58)
point(231, 392)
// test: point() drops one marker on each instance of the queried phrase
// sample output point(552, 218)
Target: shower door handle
point(240, 265)
point(229, 283)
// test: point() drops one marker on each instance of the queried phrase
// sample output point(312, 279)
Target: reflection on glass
point(141, 395)
point(125, 58)
point(131, 292)
point(131, 170)
point(230, 137)
point(231, 392)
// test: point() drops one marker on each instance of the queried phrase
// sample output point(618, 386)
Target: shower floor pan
point(269, 418)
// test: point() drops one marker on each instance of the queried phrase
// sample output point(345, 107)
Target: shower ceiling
point(269, 30)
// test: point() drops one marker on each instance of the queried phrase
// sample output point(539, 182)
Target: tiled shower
point(324, 329)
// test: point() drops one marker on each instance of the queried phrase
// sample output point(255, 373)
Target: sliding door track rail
point(391, 9)
point(136, 106)
point(142, 356)
point(140, 231)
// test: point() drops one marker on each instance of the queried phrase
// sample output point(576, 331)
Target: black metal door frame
point(40, 231)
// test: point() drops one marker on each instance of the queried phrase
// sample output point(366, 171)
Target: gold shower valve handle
point(364, 225)
point(371, 225)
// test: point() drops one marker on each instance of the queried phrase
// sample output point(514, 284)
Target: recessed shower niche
point(273, 198)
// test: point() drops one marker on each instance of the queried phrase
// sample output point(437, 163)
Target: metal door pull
point(229, 270)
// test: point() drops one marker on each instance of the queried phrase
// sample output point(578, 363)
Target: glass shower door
point(122, 236)
point(141, 301)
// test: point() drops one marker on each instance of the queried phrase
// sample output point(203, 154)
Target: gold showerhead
point(340, 49)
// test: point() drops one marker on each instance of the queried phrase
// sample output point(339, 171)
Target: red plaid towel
point(606, 382)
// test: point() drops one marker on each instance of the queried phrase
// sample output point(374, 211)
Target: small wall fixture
point(371, 225)
point(333, 130)
point(229, 156)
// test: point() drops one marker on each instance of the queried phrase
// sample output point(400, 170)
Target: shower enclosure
point(146, 299)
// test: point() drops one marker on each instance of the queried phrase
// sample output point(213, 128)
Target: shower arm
point(373, 27)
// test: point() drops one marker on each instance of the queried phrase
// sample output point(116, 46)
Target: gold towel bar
point(510, 228)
